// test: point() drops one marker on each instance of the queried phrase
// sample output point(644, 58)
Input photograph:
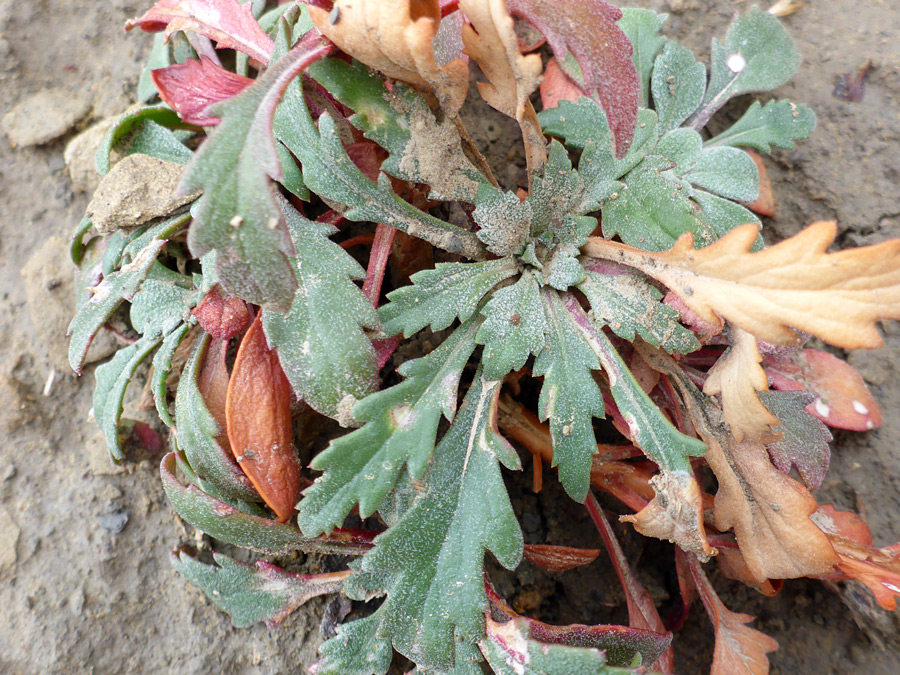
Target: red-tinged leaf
point(877, 568)
point(642, 612)
point(228, 22)
point(765, 203)
point(704, 330)
point(368, 157)
point(191, 87)
point(584, 36)
point(843, 399)
point(223, 317)
point(213, 385)
point(732, 565)
point(557, 86)
point(619, 642)
point(258, 411)
point(559, 558)
point(739, 649)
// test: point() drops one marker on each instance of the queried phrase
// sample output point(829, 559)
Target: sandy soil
point(85, 582)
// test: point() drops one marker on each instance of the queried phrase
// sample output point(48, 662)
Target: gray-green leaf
point(642, 27)
point(777, 124)
point(679, 82)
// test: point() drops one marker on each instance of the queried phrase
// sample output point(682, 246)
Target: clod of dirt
point(18, 406)
point(80, 154)
point(49, 289)
point(137, 190)
point(46, 115)
point(9, 537)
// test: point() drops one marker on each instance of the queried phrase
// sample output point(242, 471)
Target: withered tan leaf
point(740, 650)
point(768, 511)
point(675, 514)
point(738, 375)
point(490, 39)
point(795, 284)
point(395, 38)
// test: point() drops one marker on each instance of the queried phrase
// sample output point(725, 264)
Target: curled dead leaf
point(764, 205)
point(559, 558)
point(213, 385)
point(258, 412)
point(395, 38)
point(738, 376)
point(223, 317)
point(675, 514)
point(793, 285)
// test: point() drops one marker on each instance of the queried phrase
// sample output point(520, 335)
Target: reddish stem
point(378, 258)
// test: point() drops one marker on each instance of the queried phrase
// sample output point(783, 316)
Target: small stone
point(44, 116)
point(80, 154)
point(9, 537)
point(137, 190)
point(9, 472)
point(113, 522)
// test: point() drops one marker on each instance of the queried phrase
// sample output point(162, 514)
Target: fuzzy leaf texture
point(756, 55)
point(237, 215)
point(253, 593)
point(796, 284)
point(570, 398)
point(438, 297)
point(777, 124)
point(515, 327)
point(323, 371)
point(330, 173)
point(440, 542)
point(642, 27)
point(356, 649)
point(400, 428)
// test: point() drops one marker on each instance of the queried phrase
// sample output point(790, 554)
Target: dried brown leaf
point(258, 411)
point(559, 558)
point(675, 514)
point(739, 648)
point(764, 205)
point(395, 37)
point(768, 511)
point(213, 385)
point(738, 375)
point(795, 284)
point(490, 39)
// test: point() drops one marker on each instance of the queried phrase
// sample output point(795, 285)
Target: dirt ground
point(85, 581)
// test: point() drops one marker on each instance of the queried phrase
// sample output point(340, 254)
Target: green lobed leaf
point(164, 300)
point(291, 175)
point(679, 82)
point(650, 430)
point(421, 149)
point(357, 649)
point(682, 147)
point(510, 649)
point(778, 125)
point(237, 215)
point(161, 114)
point(196, 431)
point(162, 364)
point(432, 559)
point(505, 220)
point(757, 54)
point(642, 27)
point(570, 398)
point(727, 172)
point(401, 425)
point(139, 239)
point(113, 378)
point(105, 299)
point(149, 138)
point(515, 327)
point(653, 209)
point(324, 371)
point(724, 215)
point(226, 523)
point(252, 593)
point(555, 198)
point(331, 174)
point(438, 297)
point(631, 306)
